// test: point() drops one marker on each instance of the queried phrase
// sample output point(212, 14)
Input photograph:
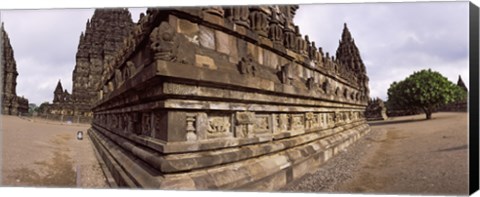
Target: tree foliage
point(425, 90)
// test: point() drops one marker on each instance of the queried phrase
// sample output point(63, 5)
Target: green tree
point(41, 109)
point(32, 107)
point(425, 90)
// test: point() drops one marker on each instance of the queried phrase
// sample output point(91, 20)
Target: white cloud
point(395, 39)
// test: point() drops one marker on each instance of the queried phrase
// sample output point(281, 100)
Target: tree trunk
point(428, 113)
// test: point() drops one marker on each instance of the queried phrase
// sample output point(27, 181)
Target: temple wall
point(201, 99)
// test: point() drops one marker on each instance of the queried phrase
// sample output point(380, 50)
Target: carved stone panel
point(297, 122)
point(164, 42)
point(312, 120)
point(263, 124)
point(244, 124)
point(219, 126)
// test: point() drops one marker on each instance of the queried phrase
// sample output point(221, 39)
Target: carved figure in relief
point(164, 42)
point(118, 77)
point(309, 120)
point(245, 121)
point(218, 125)
point(311, 83)
point(247, 65)
point(297, 122)
point(262, 123)
point(146, 124)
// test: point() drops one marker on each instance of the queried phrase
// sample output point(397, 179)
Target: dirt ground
point(402, 155)
point(43, 153)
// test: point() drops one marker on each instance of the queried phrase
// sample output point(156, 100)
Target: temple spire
point(461, 84)
point(346, 36)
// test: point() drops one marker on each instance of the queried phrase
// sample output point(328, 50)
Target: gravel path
point(405, 155)
point(338, 169)
point(47, 154)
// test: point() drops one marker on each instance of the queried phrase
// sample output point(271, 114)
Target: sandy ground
point(43, 153)
point(403, 155)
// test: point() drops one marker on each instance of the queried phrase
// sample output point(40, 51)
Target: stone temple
point(104, 35)
point(228, 98)
point(11, 103)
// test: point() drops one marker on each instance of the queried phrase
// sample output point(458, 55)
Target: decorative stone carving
point(286, 75)
point(247, 65)
point(297, 122)
point(239, 15)
point(215, 10)
point(164, 42)
point(146, 124)
point(262, 124)
point(245, 124)
point(311, 83)
point(191, 131)
point(259, 21)
point(276, 31)
point(326, 86)
point(118, 77)
point(290, 40)
point(283, 122)
point(218, 125)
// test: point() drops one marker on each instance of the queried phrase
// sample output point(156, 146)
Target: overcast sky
point(395, 39)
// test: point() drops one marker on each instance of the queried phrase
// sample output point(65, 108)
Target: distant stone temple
point(376, 110)
point(104, 35)
point(225, 98)
point(460, 105)
point(11, 103)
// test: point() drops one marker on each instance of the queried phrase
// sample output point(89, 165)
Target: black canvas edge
point(474, 99)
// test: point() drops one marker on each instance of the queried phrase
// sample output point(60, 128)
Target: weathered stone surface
point(11, 103)
point(250, 110)
point(376, 110)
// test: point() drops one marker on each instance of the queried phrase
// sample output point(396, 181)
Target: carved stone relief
point(247, 65)
point(164, 42)
point(191, 130)
point(245, 124)
point(262, 124)
point(239, 15)
point(218, 126)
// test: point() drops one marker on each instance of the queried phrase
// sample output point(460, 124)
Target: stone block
point(206, 37)
point(188, 28)
point(222, 42)
point(205, 62)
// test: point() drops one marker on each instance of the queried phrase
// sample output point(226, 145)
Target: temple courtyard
point(400, 155)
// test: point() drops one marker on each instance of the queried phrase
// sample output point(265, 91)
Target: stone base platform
point(265, 166)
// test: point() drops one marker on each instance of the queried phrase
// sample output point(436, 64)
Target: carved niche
point(286, 75)
point(282, 122)
point(239, 15)
point(146, 124)
point(164, 42)
point(245, 124)
point(247, 65)
point(311, 83)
